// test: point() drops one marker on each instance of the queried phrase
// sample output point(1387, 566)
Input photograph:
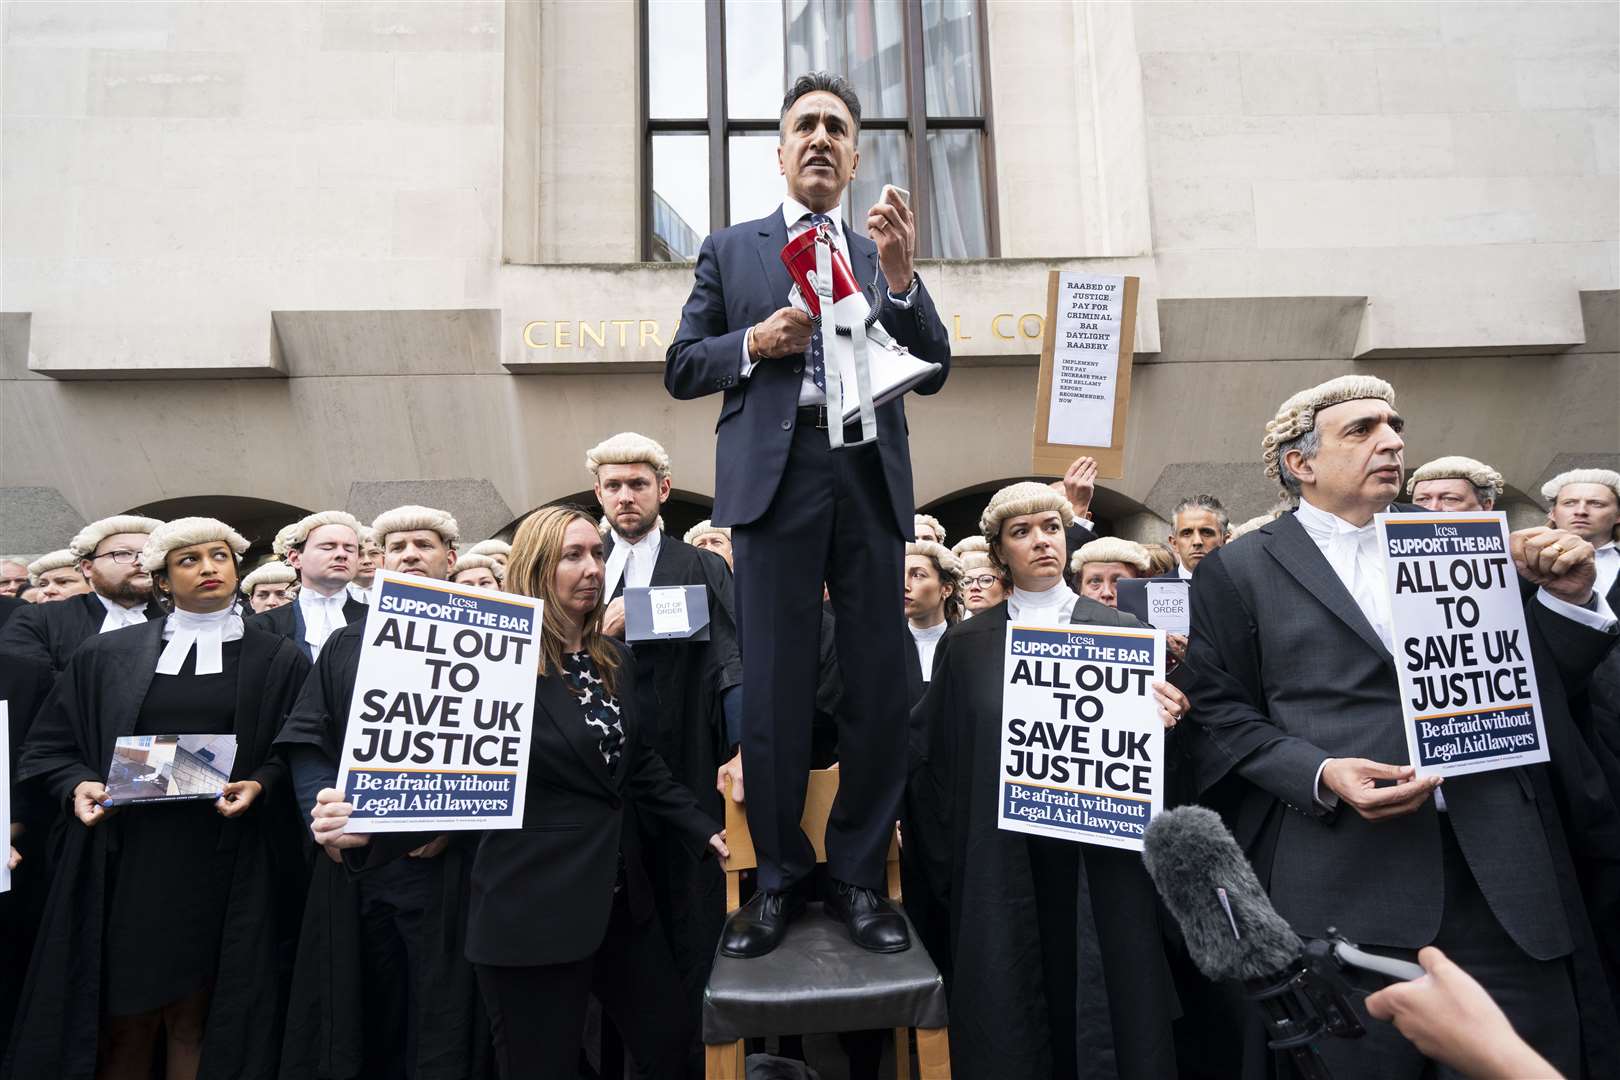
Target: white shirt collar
point(794, 211)
point(1608, 567)
point(309, 598)
point(1321, 524)
point(1182, 572)
point(932, 633)
point(207, 632)
point(1051, 607)
point(645, 552)
point(118, 616)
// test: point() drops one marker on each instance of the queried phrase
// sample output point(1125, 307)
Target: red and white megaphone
point(854, 343)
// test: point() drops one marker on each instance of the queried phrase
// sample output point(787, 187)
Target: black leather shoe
point(872, 922)
point(759, 925)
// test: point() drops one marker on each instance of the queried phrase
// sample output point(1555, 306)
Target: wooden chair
point(818, 965)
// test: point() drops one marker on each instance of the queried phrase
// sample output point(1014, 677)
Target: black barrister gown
point(98, 699)
point(326, 1019)
point(678, 685)
point(1023, 909)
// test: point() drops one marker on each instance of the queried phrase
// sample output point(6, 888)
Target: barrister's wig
point(1456, 467)
point(368, 536)
point(603, 525)
point(628, 448)
point(980, 559)
point(283, 541)
point(487, 547)
point(90, 537)
point(55, 560)
point(919, 520)
point(412, 518)
point(949, 565)
point(1297, 415)
point(970, 544)
point(187, 532)
point(704, 528)
point(272, 572)
point(1253, 523)
point(1016, 500)
point(299, 531)
point(1607, 477)
point(1112, 549)
point(476, 562)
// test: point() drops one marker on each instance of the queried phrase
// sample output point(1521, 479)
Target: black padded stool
point(817, 980)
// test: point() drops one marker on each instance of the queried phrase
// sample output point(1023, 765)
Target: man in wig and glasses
point(810, 499)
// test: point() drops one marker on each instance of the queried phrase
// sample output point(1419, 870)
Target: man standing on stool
point(802, 513)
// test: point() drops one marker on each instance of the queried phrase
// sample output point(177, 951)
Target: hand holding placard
point(1557, 560)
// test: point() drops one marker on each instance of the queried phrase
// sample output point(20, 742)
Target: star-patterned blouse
point(600, 709)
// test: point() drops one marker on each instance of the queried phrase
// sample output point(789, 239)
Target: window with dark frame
point(713, 73)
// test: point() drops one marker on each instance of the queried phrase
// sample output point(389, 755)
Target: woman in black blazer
point(562, 908)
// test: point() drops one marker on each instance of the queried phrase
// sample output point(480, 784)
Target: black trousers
point(393, 902)
point(536, 1014)
point(830, 522)
point(1536, 995)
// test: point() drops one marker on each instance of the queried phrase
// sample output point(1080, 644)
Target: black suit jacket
point(741, 281)
point(49, 634)
point(542, 894)
point(288, 621)
point(1284, 672)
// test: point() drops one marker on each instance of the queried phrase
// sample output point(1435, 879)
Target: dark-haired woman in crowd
point(562, 909)
point(160, 923)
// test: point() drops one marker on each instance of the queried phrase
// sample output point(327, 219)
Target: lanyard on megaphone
point(857, 350)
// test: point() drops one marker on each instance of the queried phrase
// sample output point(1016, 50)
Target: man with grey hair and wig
point(1454, 484)
point(323, 548)
point(1294, 692)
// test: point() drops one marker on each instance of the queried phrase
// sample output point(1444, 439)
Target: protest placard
point(666, 612)
point(1468, 686)
point(1082, 745)
point(1083, 390)
point(438, 734)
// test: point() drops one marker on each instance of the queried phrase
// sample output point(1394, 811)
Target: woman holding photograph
point(592, 778)
point(160, 922)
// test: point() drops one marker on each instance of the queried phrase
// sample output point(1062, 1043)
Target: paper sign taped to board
point(666, 613)
point(1082, 744)
point(1462, 651)
point(1085, 359)
point(438, 734)
point(1169, 605)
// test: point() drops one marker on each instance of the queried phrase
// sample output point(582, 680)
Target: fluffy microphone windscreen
point(1189, 855)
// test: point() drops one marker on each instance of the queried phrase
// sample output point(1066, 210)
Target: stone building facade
point(262, 258)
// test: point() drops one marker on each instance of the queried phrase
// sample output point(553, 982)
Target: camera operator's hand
point(1450, 1018)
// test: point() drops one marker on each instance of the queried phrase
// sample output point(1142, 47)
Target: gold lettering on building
point(605, 334)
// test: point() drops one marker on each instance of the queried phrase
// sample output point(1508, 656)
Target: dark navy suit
point(802, 514)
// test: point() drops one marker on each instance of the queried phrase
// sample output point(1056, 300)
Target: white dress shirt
point(1608, 568)
point(323, 617)
point(927, 641)
point(1182, 572)
point(360, 593)
point(185, 630)
point(632, 562)
point(118, 616)
point(797, 218)
point(1053, 607)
